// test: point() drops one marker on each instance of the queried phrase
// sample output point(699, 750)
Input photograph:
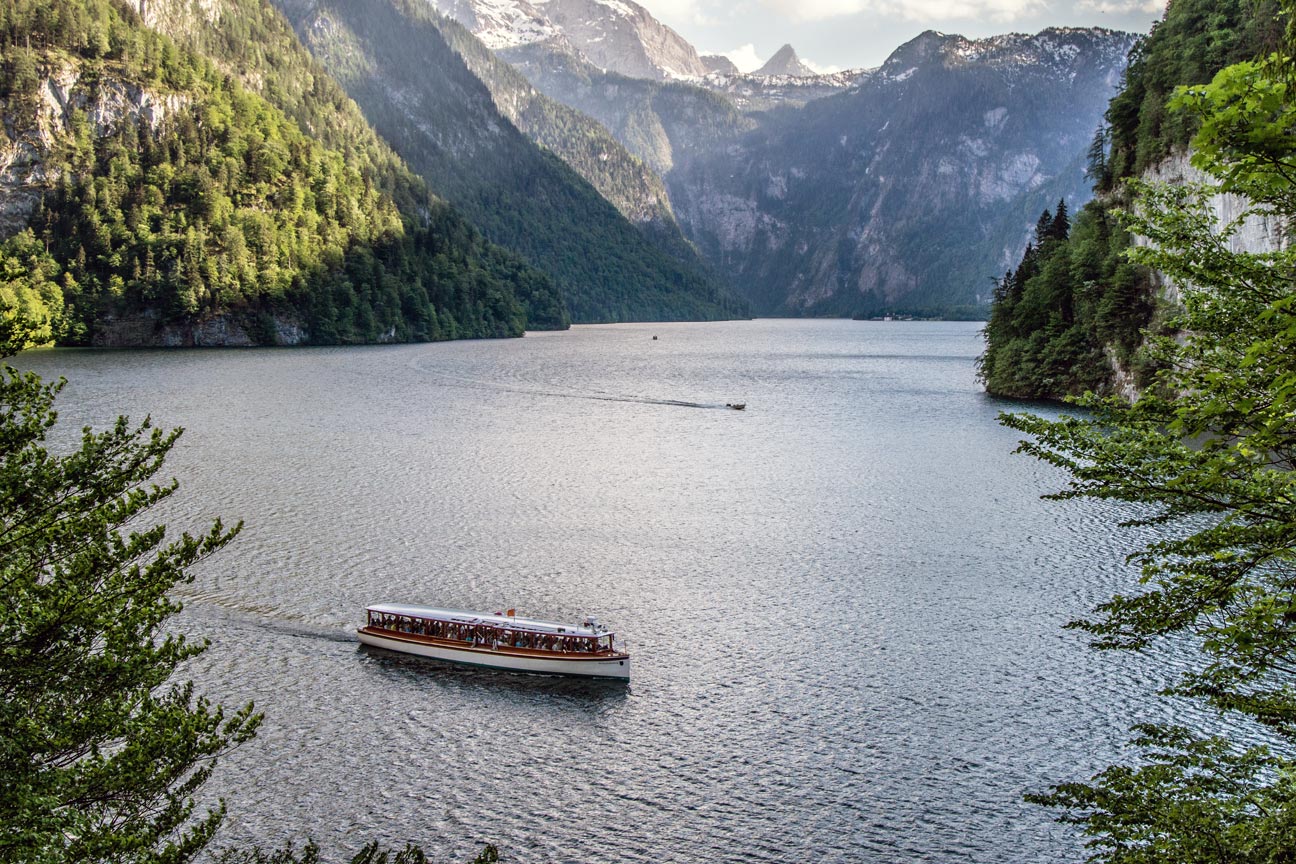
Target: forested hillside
point(416, 90)
point(1073, 298)
point(1070, 317)
point(180, 207)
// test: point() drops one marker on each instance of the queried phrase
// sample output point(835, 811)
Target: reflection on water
point(403, 670)
point(844, 603)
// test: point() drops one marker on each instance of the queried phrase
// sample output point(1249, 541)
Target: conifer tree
point(1043, 227)
point(102, 752)
point(1061, 225)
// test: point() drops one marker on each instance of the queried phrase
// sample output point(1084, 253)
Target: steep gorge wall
point(1254, 234)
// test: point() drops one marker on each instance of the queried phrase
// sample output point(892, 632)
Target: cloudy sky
point(847, 34)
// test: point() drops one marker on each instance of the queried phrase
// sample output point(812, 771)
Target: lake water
point(844, 603)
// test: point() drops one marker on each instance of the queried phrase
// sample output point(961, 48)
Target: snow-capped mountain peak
point(616, 35)
point(501, 23)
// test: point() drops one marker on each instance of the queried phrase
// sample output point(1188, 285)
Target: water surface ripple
point(844, 602)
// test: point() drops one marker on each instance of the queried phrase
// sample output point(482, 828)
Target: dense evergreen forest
point(1073, 297)
point(1073, 311)
point(214, 203)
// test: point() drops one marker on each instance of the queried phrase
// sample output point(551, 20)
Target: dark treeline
point(1196, 39)
point(214, 202)
point(1072, 298)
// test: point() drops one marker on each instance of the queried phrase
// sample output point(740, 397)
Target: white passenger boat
point(499, 640)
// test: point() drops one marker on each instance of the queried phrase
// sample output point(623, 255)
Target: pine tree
point(1043, 226)
point(102, 752)
point(1060, 227)
point(1096, 158)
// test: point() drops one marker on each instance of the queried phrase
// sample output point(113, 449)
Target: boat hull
point(616, 666)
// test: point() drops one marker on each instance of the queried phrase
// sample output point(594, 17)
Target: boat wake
point(478, 384)
point(260, 617)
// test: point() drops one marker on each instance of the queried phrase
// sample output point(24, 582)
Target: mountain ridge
point(417, 90)
point(785, 62)
point(615, 35)
point(832, 209)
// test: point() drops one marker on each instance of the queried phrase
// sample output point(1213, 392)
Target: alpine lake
point(844, 603)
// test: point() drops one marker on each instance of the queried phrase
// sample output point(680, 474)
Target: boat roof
point(465, 616)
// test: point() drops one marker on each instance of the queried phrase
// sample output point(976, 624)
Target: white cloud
point(821, 70)
point(913, 10)
point(745, 58)
point(678, 10)
point(1123, 7)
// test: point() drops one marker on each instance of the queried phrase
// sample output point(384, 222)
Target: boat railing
point(495, 636)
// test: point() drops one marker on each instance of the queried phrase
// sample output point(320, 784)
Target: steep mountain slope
point(908, 191)
point(394, 61)
point(615, 35)
point(654, 120)
point(785, 62)
point(579, 140)
point(173, 206)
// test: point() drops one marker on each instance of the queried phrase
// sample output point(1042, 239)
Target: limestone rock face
point(785, 62)
point(913, 186)
point(1257, 233)
point(615, 35)
point(106, 102)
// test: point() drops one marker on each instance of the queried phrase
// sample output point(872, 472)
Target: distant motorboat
point(737, 406)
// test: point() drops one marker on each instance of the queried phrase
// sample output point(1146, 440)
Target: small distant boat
point(737, 406)
point(499, 640)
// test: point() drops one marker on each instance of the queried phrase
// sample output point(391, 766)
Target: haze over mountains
point(899, 188)
point(648, 182)
point(908, 190)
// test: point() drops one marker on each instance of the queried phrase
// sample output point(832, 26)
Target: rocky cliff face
point(615, 35)
point(106, 102)
point(1256, 234)
point(785, 62)
point(654, 120)
point(909, 190)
